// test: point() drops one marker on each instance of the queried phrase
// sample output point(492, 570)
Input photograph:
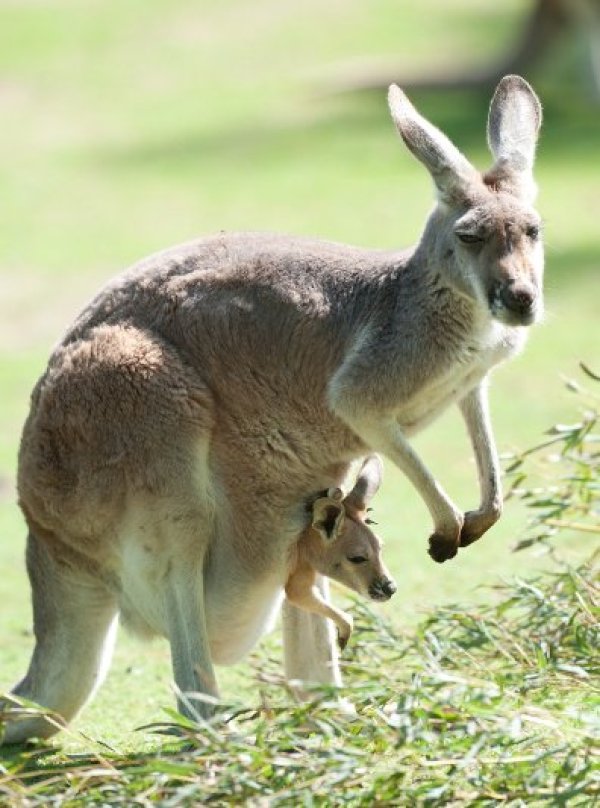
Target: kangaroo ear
point(451, 171)
point(514, 122)
point(367, 483)
point(328, 517)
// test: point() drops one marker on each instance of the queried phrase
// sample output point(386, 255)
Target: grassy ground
point(479, 707)
point(131, 126)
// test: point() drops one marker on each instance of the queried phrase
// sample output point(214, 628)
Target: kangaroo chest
point(431, 400)
point(458, 377)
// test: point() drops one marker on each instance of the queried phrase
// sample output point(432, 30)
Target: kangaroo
point(340, 545)
point(209, 392)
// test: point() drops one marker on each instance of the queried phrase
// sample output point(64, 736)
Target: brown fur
point(339, 544)
point(205, 395)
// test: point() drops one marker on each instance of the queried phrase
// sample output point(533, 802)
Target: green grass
point(131, 126)
point(476, 706)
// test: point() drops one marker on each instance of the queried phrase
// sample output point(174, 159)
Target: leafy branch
point(570, 499)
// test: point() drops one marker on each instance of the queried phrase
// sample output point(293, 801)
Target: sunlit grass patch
point(487, 705)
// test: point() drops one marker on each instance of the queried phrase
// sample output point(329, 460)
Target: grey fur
point(204, 397)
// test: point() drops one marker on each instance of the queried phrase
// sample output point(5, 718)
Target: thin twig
point(572, 525)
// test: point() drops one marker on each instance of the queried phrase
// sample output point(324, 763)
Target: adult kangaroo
point(205, 396)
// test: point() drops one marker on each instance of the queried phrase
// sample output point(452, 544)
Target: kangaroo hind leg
point(74, 618)
point(310, 652)
point(188, 638)
point(182, 594)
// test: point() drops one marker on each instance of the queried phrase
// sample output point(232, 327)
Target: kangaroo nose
point(382, 589)
point(388, 588)
point(519, 299)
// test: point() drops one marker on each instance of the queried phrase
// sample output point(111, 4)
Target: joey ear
point(514, 122)
point(367, 483)
point(452, 173)
point(328, 517)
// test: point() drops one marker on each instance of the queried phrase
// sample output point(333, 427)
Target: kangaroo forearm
point(386, 437)
point(475, 411)
point(474, 408)
point(311, 601)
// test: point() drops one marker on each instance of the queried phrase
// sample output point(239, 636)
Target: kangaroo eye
point(356, 559)
point(370, 522)
point(470, 238)
point(533, 232)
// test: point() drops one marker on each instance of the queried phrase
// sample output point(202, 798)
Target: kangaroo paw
point(441, 548)
point(342, 640)
point(476, 524)
point(344, 631)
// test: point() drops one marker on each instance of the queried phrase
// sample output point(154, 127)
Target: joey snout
point(382, 589)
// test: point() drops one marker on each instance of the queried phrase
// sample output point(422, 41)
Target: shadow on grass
point(353, 124)
point(463, 695)
point(569, 132)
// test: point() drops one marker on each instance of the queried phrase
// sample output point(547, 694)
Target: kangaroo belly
point(237, 620)
point(239, 603)
point(241, 600)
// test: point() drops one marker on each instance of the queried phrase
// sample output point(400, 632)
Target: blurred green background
point(129, 126)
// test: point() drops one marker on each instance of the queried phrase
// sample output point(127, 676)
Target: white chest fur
point(494, 344)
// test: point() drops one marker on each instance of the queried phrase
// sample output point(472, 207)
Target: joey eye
point(532, 232)
point(370, 521)
point(357, 559)
point(470, 238)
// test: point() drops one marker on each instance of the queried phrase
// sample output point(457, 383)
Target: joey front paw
point(344, 632)
point(442, 547)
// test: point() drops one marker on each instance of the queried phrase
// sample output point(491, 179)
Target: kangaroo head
point(344, 547)
point(483, 236)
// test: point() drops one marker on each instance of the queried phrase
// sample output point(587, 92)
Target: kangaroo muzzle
point(382, 589)
point(515, 303)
